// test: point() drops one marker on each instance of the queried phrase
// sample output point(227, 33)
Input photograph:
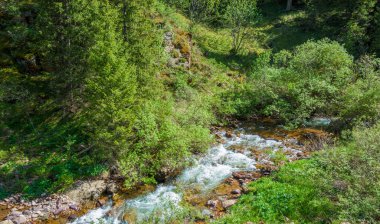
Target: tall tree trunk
point(289, 5)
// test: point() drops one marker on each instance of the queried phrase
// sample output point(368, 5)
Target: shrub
point(311, 80)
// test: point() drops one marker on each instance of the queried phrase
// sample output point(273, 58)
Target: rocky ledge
point(16, 210)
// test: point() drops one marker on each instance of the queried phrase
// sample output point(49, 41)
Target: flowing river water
point(207, 172)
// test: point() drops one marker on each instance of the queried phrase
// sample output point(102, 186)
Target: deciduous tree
point(240, 15)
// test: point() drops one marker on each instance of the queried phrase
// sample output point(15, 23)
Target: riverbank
point(88, 195)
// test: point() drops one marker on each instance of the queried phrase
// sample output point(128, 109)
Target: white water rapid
point(206, 174)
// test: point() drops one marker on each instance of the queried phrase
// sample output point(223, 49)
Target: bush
point(319, 78)
point(360, 102)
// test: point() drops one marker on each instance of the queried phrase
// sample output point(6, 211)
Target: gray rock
point(6, 222)
point(87, 190)
point(111, 188)
point(26, 212)
point(44, 216)
point(21, 219)
point(172, 62)
point(72, 217)
point(212, 203)
point(58, 211)
point(105, 175)
point(74, 207)
point(206, 212)
point(228, 203)
point(16, 213)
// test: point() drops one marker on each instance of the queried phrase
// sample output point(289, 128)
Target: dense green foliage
point(355, 23)
point(336, 185)
point(317, 78)
point(84, 94)
point(89, 85)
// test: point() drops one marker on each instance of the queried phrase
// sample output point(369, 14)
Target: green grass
point(48, 173)
point(43, 158)
point(289, 195)
point(276, 30)
point(339, 184)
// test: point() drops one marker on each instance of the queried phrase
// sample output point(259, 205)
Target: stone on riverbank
point(228, 203)
point(87, 190)
point(6, 222)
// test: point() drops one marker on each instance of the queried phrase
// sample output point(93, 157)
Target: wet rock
point(237, 148)
point(229, 134)
point(109, 213)
point(228, 203)
point(101, 202)
point(218, 136)
point(246, 175)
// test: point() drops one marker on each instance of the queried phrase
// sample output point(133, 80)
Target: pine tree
point(110, 85)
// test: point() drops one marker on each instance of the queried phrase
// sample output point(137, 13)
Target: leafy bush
point(317, 78)
point(361, 100)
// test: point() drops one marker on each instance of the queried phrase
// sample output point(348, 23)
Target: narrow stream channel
point(207, 173)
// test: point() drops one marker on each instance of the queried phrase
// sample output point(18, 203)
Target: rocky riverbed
point(84, 195)
point(213, 184)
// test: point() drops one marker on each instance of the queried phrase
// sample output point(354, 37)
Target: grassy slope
point(277, 30)
point(34, 172)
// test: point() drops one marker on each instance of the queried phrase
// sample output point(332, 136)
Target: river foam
point(206, 173)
